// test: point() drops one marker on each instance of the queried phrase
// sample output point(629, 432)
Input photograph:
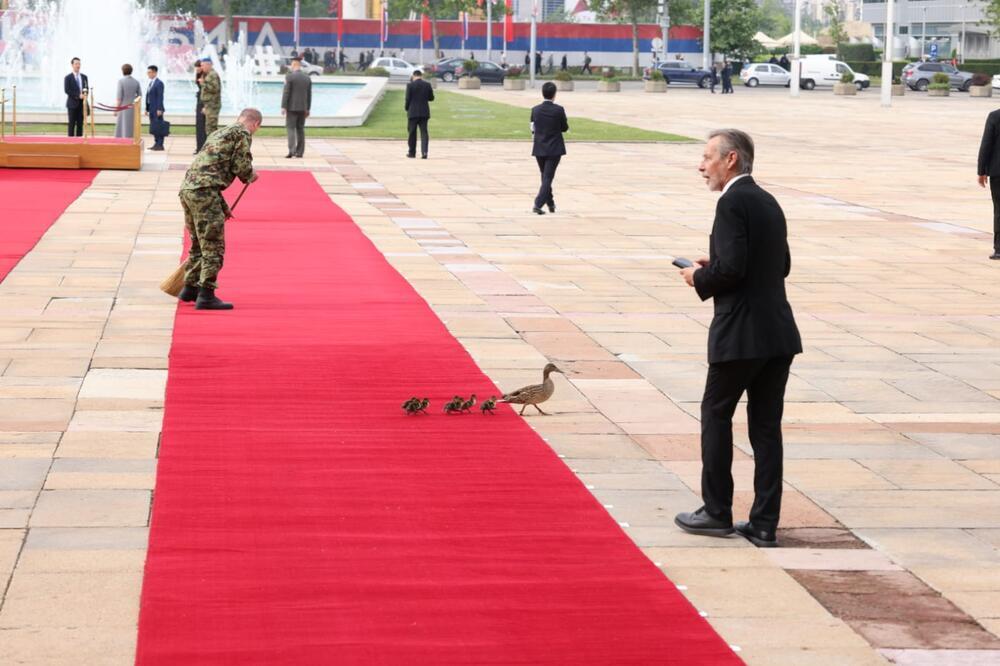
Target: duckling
point(469, 404)
point(422, 407)
point(455, 405)
point(535, 393)
point(489, 406)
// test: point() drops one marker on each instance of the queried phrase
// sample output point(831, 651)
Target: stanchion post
point(137, 121)
point(14, 110)
point(90, 99)
point(3, 113)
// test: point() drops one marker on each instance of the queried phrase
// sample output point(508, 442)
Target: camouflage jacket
point(211, 92)
point(224, 157)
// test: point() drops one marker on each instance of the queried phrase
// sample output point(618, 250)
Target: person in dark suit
point(727, 78)
point(296, 102)
point(158, 127)
point(751, 340)
point(548, 122)
point(713, 72)
point(76, 88)
point(989, 171)
point(419, 95)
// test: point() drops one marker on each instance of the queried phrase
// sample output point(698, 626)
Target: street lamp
point(796, 63)
point(923, 37)
point(706, 49)
point(887, 55)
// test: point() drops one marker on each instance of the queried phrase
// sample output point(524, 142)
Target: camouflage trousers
point(211, 122)
point(204, 218)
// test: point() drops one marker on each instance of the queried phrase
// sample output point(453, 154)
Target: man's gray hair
point(253, 115)
point(735, 141)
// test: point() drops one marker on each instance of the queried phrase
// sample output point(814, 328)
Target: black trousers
point(995, 193)
point(547, 166)
point(411, 140)
point(586, 69)
point(764, 382)
point(199, 129)
point(75, 125)
point(295, 126)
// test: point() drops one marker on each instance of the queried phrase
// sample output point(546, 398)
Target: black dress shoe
point(552, 206)
point(207, 300)
point(289, 156)
point(188, 293)
point(703, 524)
point(537, 211)
point(759, 538)
point(424, 156)
point(410, 156)
point(995, 256)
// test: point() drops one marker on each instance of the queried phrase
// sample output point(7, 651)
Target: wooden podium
point(62, 152)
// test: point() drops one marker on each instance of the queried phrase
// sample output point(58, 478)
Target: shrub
point(862, 52)
point(940, 78)
point(847, 77)
point(939, 86)
point(896, 81)
point(980, 79)
point(609, 74)
point(656, 75)
point(469, 68)
point(514, 72)
point(377, 71)
point(563, 76)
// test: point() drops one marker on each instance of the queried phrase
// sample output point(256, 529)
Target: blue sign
point(934, 49)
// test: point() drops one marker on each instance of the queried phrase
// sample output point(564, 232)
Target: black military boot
point(208, 301)
point(188, 293)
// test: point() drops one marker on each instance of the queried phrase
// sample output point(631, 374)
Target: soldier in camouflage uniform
point(224, 157)
point(211, 96)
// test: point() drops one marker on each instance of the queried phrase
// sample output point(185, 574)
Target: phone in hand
point(681, 262)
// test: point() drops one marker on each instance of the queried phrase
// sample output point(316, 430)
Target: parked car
point(918, 75)
point(765, 74)
point(398, 69)
point(678, 71)
point(996, 81)
point(445, 68)
point(308, 68)
point(487, 72)
point(825, 71)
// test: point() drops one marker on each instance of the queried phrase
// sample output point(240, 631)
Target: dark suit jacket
point(73, 91)
point(749, 261)
point(297, 95)
point(989, 147)
point(419, 94)
point(154, 98)
point(550, 122)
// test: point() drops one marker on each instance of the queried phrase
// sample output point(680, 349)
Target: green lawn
point(453, 116)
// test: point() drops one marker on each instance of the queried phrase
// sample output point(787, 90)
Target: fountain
point(39, 37)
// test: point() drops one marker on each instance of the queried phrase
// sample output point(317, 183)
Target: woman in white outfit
point(128, 90)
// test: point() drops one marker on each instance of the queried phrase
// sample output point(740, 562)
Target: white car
point(996, 81)
point(765, 74)
point(308, 68)
point(398, 69)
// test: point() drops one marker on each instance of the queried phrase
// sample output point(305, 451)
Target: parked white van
point(824, 70)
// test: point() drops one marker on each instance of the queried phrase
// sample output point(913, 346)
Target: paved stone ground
point(891, 520)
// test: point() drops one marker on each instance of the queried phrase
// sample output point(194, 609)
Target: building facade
point(946, 27)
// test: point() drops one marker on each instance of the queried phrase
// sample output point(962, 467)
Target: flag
point(508, 23)
point(465, 26)
point(340, 19)
point(425, 27)
point(385, 21)
point(295, 23)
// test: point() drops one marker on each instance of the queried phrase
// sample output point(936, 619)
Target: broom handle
point(232, 209)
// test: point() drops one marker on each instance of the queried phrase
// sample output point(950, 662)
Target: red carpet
point(31, 200)
point(301, 518)
point(45, 138)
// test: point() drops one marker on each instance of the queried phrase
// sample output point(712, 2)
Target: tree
point(774, 19)
point(632, 12)
point(734, 23)
point(992, 11)
point(439, 10)
point(837, 32)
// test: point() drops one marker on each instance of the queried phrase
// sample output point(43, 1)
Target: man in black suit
point(296, 103)
point(548, 122)
point(76, 87)
point(419, 94)
point(989, 171)
point(727, 78)
point(751, 341)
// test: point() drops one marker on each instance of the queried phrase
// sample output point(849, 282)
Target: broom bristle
point(174, 282)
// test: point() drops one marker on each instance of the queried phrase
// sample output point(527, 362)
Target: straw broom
point(174, 282)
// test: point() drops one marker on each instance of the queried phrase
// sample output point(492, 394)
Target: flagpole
point(297, 10)
point(489, 30)
point(534, 41)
